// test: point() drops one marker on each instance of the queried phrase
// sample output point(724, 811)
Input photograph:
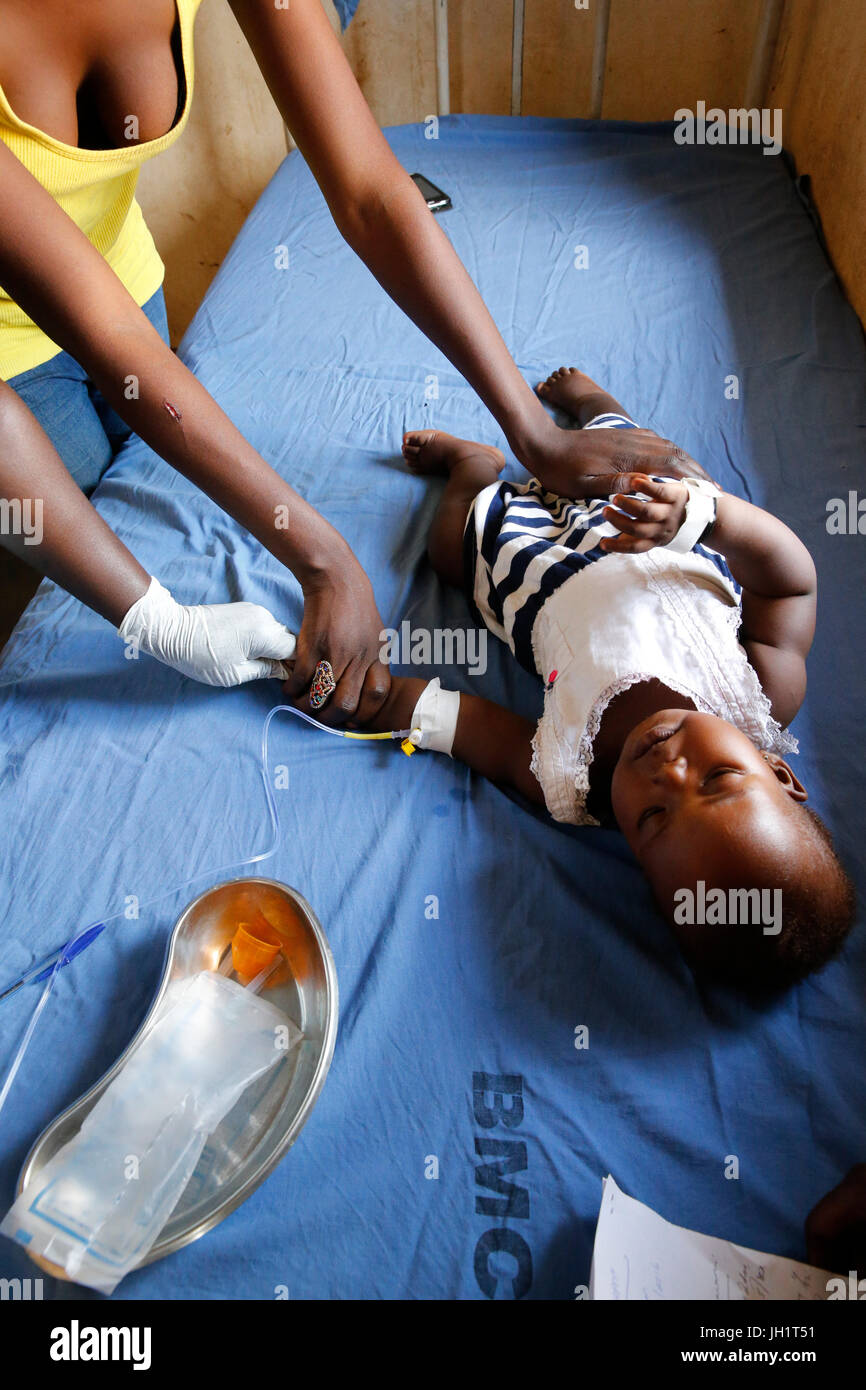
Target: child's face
point(696, 800)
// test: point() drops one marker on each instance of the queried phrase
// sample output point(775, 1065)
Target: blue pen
point(64, 955)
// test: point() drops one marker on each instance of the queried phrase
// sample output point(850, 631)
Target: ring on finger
point(323, 685)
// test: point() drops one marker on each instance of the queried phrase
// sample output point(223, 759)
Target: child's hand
point(647, 521)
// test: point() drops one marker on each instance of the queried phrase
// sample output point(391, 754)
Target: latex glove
point(219, 643)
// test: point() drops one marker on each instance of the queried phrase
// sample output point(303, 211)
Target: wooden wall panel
point(557, 58)
point(196, 196)
point(479, 55)
point(392, 49)
point(663, 54)
point(819, 81)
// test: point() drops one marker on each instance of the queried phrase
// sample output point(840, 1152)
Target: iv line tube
point(64, 955)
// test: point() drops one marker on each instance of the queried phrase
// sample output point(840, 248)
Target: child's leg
point(578, 395)
point(469, 468)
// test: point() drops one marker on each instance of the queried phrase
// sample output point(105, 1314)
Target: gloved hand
point(219, 644)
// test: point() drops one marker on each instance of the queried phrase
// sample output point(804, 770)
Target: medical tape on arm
point(434, 719)
point(700, 515)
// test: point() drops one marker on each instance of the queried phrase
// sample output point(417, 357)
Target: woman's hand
point(647, 521)
point(595, 463)
point(341, 625)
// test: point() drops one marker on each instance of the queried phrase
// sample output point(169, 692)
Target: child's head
point(744, 872)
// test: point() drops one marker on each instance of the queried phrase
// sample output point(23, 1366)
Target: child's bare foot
point(433, 451)
point(566, 388)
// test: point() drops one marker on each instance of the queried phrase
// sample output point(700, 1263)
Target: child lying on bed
point(671, 671)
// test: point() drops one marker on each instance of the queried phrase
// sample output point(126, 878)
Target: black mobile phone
point(437, 201)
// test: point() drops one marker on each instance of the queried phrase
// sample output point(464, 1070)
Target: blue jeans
point(80, 423)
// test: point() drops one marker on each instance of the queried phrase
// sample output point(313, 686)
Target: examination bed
point(480, 948)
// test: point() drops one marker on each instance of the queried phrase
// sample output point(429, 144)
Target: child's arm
point(490, 739)
point(773, 567)
point(780, 592)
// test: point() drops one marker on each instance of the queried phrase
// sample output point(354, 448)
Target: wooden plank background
point(819, 81)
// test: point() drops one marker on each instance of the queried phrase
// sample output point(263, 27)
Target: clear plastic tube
point(273, 815)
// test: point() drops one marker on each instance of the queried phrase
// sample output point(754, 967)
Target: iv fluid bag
point(99, 1204)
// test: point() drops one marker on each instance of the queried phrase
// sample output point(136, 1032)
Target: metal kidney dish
point(265, 1122)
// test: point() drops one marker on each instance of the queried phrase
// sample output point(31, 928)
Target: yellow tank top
point(96, 188)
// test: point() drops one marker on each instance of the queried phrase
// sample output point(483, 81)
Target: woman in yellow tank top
point(87, 93)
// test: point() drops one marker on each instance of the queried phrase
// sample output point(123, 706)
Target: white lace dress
point(661, 616)
point(592, 623)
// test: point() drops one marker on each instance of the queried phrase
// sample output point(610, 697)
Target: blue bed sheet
point(473, 938)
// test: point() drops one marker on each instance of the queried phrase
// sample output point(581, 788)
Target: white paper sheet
point(639, 1255)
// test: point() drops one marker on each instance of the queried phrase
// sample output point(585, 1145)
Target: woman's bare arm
point(385, 220)
point(53, 272)
point(73, 545)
